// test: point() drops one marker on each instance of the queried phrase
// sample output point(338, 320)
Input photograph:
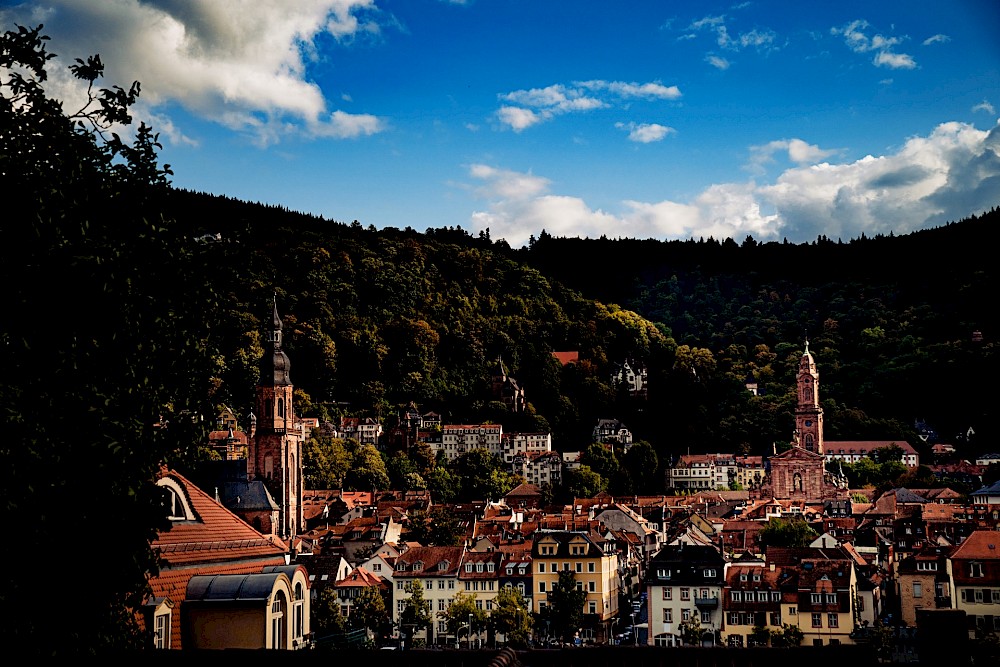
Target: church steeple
point(808, 413)
point(274, 370)
point(276, 447)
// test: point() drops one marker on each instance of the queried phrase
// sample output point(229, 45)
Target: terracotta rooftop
point(981, 545)
point(212, 541)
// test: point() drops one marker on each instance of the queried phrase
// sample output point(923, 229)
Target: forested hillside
point(892, 320)
point(376, 319)
point(382, 317)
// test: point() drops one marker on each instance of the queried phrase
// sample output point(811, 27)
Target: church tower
point(276, 443)
point(808, 413)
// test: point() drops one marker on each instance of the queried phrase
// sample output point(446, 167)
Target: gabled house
point(975, 580)
point(684, 588)
point(594, 564)
point(922, 582)
point(614, 433)
point(756, 595)
point(436, 568)
point(479, 575)
point(207, 540)
point(524, 496)
point(826, 597)
point(350, 588)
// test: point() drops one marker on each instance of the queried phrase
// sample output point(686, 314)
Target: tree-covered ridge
point(374, 320)
point(891, 320)
point(382, 317)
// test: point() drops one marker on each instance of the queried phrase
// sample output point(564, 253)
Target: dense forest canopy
point(383, 317)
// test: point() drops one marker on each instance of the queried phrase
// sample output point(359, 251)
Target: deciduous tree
point(95, 403)
point(564, 610)
point(511, 617)
point(368, 611)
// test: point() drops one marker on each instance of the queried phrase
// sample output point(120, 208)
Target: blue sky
point(628, 119)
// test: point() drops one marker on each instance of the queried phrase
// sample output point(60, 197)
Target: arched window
point(175, 500)
point(298, 613)
point(281, 408)
point(278, 609)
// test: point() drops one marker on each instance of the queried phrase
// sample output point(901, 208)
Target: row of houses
point(696, 562)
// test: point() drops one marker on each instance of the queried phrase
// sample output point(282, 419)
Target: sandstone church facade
point(799, 473)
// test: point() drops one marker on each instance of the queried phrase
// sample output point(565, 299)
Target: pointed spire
point(276, 321)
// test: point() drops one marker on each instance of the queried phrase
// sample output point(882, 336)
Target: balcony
point(706, 603)
point(942, 601)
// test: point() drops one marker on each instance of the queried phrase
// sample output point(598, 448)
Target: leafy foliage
point(437, 528)
point(369, 611)
point(416, 611)
point(511, 617)
point(563, 615)
point(108, 353)
point(460, 611)
point(793, 532)
point(327, 617)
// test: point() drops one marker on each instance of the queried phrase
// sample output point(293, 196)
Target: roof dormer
point(175, 500)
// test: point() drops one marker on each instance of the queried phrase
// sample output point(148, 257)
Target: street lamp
point(458, 631)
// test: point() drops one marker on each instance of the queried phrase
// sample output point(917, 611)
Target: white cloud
point(717, 62)
point(984, 106)
point(946, 176)
point(857, 39)
point(936, 39)
point(652, 90)
point(504, 184)
point(797, 151)
point(757, 38)
point(241, 64)
point(518, 118)
point(645, 133)
point(532, 106)
point(761, 39)
point(712, 22)
point(894, 60)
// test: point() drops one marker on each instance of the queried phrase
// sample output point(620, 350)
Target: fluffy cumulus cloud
point(523, 108)
point(239, 63)
point(856, 36)
point(645, 133)
point(948, 175)
point(796, 150)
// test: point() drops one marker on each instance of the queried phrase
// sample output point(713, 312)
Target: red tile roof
point(216, 541)
point(361, 578)
point(566, 357)
point(981, 545)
